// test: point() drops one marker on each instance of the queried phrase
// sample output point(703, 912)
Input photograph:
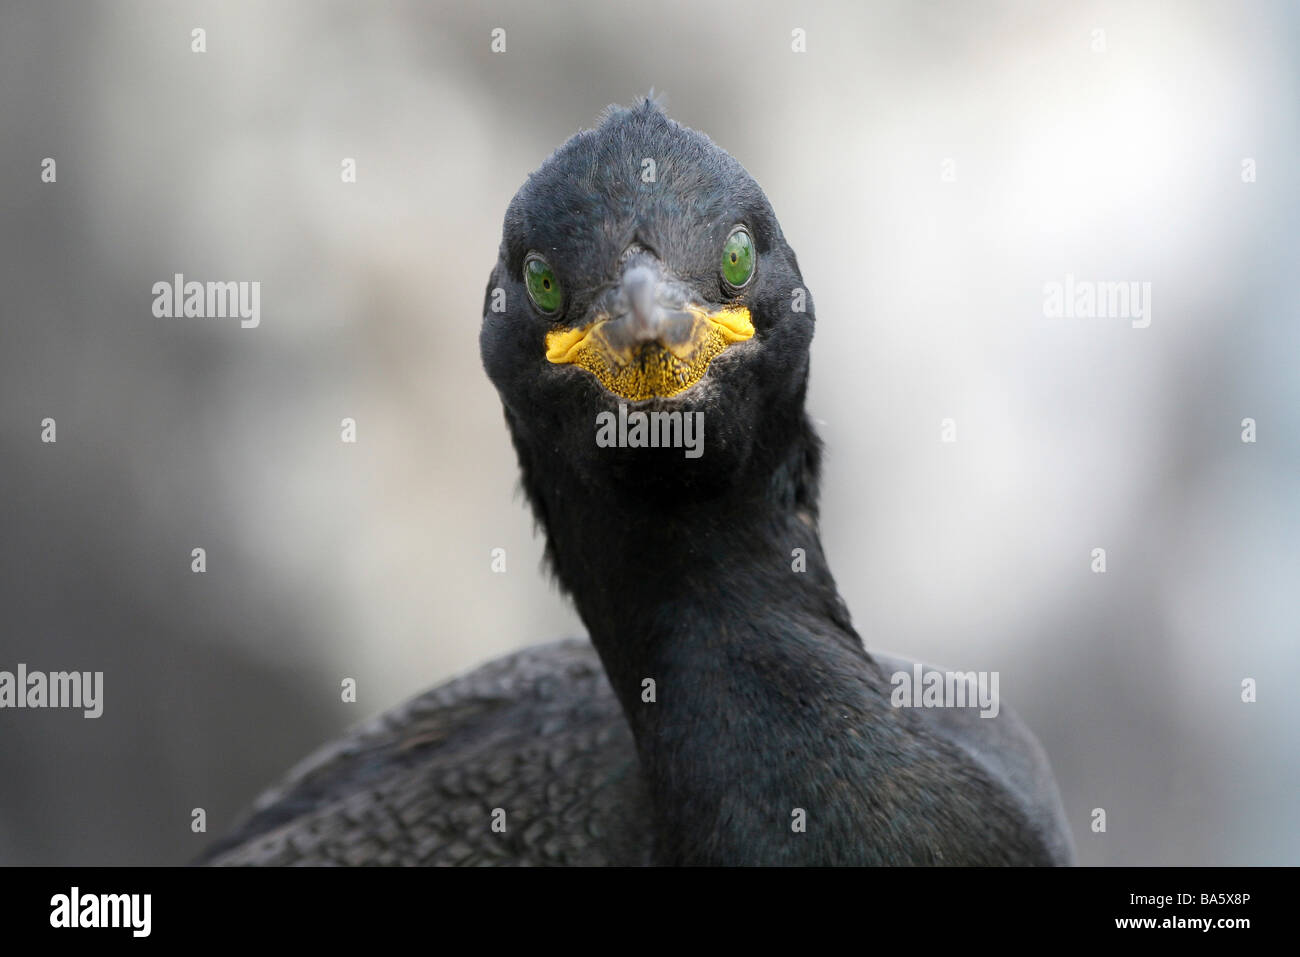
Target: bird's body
point(540, 735)
point(726, 711)
point(537, 734)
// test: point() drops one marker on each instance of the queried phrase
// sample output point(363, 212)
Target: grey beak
point(641, 291)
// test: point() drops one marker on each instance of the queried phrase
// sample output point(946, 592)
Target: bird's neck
point(721, 631)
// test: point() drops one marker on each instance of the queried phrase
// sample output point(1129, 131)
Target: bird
point(722, 710)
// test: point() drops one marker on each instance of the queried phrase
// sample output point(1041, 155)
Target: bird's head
point(642, 266)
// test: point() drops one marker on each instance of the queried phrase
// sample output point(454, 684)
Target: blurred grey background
point(372, 560)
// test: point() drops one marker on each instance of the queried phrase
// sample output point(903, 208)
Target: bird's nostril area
point(640, 291)
point(632, 251)
point(646, 305)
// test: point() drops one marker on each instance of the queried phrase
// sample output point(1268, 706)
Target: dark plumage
point(765, 700)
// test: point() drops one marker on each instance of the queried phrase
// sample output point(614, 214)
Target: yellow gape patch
point(653, 370)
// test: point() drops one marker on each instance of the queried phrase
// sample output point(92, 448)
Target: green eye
point(543, 287)
point(738, 257)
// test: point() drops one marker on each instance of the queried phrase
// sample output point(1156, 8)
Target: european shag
point(725, 710)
